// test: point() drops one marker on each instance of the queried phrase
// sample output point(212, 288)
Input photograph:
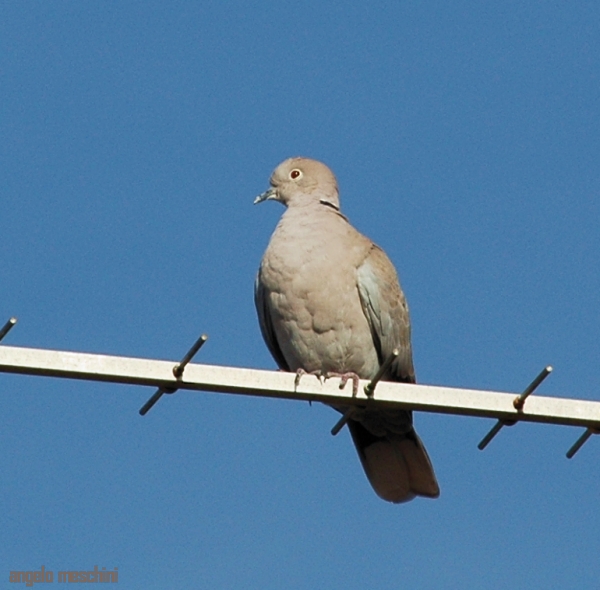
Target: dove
point(329, 303)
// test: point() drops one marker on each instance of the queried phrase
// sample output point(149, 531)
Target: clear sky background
point(134, 137)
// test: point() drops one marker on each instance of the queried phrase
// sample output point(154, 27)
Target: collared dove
point(329, 303)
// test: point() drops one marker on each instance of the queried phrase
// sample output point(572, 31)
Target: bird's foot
point(301, 372)
point(344, 378)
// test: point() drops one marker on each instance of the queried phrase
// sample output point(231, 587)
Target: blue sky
point(135, 136)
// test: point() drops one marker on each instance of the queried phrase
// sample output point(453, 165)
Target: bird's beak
point(270, 194)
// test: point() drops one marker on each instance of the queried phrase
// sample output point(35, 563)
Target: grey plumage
point(328, 299)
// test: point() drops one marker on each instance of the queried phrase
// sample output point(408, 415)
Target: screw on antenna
point(177, 372)
point(518, 404)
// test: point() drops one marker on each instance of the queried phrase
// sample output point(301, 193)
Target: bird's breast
point(309, 275)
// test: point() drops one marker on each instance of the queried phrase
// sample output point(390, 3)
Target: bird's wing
point(385, 307)
point(261, 300)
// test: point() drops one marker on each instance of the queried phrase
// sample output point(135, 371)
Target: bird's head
point(301, 181)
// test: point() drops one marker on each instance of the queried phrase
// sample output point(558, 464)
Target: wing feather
point(386, 310)
point(261, 301)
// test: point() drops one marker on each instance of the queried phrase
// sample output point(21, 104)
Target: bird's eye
point(295, 173)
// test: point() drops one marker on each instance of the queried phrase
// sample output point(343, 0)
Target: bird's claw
point(344, 378)
point(301, 372)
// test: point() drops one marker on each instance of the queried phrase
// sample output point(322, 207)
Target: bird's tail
point(397, 465)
